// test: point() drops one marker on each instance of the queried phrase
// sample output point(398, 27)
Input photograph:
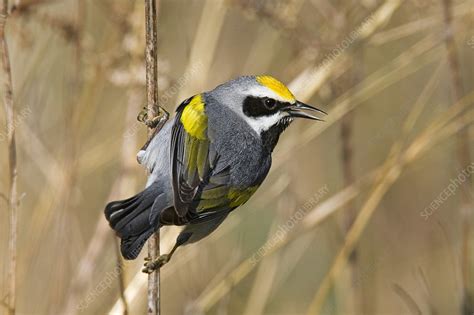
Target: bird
point(206, 161)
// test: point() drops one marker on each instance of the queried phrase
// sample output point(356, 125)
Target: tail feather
point(130, 247)
point(117, 212)
point(127, 216)
point(117, 205)
point(130, 218)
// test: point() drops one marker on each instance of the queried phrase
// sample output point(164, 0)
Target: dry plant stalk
point(154, 112)
point(463, 157)
point(10, 119)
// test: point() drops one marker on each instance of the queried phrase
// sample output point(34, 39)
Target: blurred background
point(369, 212)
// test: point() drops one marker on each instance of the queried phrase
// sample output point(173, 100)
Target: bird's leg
point(152, 265)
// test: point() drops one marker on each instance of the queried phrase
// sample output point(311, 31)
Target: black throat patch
point(270, 137)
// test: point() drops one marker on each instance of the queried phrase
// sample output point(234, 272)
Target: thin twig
point(10, 119)
point(463, 158)
point(154, 111)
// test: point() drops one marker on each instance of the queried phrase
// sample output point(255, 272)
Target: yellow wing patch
point(238, 197)
point(276, 86)
point(194, 118)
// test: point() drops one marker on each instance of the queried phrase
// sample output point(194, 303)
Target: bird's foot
point(153, 122)
point(152, 265)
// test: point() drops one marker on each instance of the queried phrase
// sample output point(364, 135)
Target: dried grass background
point(399, 129)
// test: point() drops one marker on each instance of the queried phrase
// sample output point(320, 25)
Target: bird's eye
point(269, 103)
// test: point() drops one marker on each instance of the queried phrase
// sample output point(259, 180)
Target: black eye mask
point(262, 106)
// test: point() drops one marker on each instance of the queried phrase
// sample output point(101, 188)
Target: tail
point(131, 220)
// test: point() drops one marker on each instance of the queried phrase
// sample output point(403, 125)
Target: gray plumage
point(240, 133)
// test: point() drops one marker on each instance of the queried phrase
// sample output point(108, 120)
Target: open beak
point(297, 110)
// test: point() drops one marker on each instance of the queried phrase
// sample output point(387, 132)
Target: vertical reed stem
point(10, 120)
point(154, 111)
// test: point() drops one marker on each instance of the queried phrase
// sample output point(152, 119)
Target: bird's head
point(265, 104)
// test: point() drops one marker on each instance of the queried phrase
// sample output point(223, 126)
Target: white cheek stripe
point(263, 123)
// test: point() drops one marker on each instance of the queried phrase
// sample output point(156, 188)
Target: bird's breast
point(248, 160)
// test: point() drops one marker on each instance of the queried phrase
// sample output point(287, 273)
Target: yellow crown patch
point(276, 86)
